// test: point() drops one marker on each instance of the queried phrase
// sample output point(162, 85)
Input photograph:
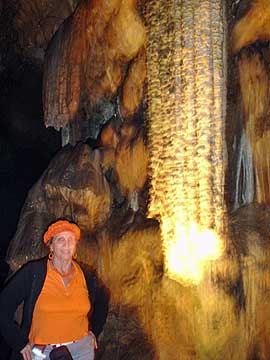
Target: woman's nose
point(66, 243)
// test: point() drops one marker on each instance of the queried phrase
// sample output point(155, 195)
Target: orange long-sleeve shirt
point(60, 313)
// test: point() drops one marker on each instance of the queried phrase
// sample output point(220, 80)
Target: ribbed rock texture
point(186, 89)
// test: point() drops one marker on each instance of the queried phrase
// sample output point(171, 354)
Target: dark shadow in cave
point(26, 146)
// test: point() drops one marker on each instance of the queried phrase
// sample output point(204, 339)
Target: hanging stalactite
point(254, 82)
point(85, 59)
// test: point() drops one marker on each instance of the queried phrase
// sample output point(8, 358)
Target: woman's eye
point(60, 240)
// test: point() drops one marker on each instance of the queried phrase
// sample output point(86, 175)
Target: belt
point(62, 344)
point(41, 346)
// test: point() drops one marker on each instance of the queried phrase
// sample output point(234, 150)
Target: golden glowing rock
point(190, 253)
point(225, 313)
point(86, 57)
point(108, 137)
point(131, 163)
point(107, 146)
point(133, 86)
point(254, 26)
point(126, 33)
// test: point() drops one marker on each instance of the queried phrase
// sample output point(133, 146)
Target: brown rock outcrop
point(73, 187)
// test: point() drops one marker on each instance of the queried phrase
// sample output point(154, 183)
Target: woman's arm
point(100, 308)
point(13, 294)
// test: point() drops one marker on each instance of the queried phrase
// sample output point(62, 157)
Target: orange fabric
point(58, 227)
point(60, 314)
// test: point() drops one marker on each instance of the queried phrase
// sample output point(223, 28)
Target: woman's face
point(64, 245)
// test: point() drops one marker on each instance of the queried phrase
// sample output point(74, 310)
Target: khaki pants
point(83, 349)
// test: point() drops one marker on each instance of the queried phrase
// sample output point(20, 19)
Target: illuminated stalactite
point(186, 98)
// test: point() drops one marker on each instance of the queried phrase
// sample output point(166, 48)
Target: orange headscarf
point(60, 226)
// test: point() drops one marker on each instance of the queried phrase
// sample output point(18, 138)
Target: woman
point(59, 295)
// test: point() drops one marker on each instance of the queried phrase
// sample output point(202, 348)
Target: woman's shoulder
point(35, 264)
point(28, 268)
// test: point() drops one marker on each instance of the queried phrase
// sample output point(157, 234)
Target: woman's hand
point(93, 339)
point(27, 352)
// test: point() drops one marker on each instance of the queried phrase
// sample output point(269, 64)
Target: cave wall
point(100, 179)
